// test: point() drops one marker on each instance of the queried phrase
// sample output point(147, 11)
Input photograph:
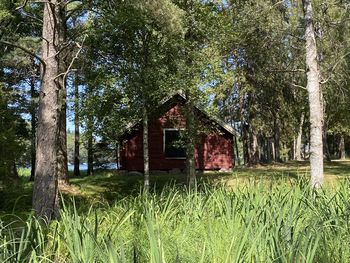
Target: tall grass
point(279, 223)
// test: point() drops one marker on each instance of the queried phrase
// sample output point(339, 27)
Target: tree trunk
point(33, 128)
point(244, 132)
point(62, 160)
point(145, 149)
point(293, 150)
point(76, 128)
point(236, 147)
point(62, 157)
point(342, 152)
point(117, 154)
point(190, 150)
point(327, 154)
point(314, 95)
point(237, 152)
point(232, 149)
point(45, 191)
point(90, 151)
point(277, 140)
point(273, 151)
point(257, 148)
point(297, 156)
point(253, 148)
point(90, 138)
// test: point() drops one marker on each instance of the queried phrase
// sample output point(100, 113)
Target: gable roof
point(182, 95)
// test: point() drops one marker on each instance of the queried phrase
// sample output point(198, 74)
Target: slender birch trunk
point(190, 147)
point(326, 151)
point(76, 128)
point(33, 128)
point(297, 156)
point(314, 95)
point(90, 150)
point(273, 151)
point(277, 139)
point(145, 149)
point(244, 132)
point(89, 136)
point(45, 190)
point(236, 148)
point(253, 148)
point(342, 152)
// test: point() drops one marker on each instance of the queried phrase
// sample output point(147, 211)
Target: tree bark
point(326, 151)
point(297, 156)
point(342, 152)
point(277, 139)
point(33, 127)
point(314, 95)
point(253, 148)
point(62, 157)
point(190, 150)
point(237, 151)
point(76, 128)
point(145, 149)
point(273, 151)
point(45, 191)
point(244, 133)
point(90, 151)
point(236, 147)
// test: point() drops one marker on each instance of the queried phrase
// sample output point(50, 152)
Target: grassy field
point(110, 186)
point(262, 214)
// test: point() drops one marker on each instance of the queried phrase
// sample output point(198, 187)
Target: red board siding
point(213, 152)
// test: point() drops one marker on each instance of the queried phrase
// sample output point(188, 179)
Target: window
point(173, 144)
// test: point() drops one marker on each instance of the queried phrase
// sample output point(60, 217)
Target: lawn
point(262, 214)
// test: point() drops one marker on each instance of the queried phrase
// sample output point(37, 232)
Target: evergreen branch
point(25, 50)
point(334, 67)
point(25, 2)
point(33, 17)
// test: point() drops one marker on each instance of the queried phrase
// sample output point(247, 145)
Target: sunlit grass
point(254, 223)
point(262, 214)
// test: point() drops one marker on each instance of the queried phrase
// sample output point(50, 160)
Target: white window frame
point(171, 129)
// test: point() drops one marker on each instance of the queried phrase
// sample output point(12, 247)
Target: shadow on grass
point(108, 186)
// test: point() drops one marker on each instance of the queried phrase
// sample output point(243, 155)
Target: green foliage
point(70, 149)
point(251, 223)
point(13, 132)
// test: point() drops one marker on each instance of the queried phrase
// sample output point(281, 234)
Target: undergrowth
point(279, 223)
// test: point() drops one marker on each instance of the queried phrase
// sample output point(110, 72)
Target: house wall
point(214, 151)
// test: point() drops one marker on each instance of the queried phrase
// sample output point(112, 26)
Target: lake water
point(83, 166)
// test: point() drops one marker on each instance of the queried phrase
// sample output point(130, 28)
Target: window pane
point(174, 146)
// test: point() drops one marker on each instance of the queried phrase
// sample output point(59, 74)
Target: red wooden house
point(213, 150)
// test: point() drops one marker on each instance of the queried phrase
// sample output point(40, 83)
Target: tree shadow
point(109, 186)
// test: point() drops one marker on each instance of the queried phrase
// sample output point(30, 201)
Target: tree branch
point(297, 86)
point(23, 5)
point(287, 70)
point(25, 50)
point(72, 61)
point(334, 67)
point(25, 2)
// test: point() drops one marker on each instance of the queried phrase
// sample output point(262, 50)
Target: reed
point(283, 222)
